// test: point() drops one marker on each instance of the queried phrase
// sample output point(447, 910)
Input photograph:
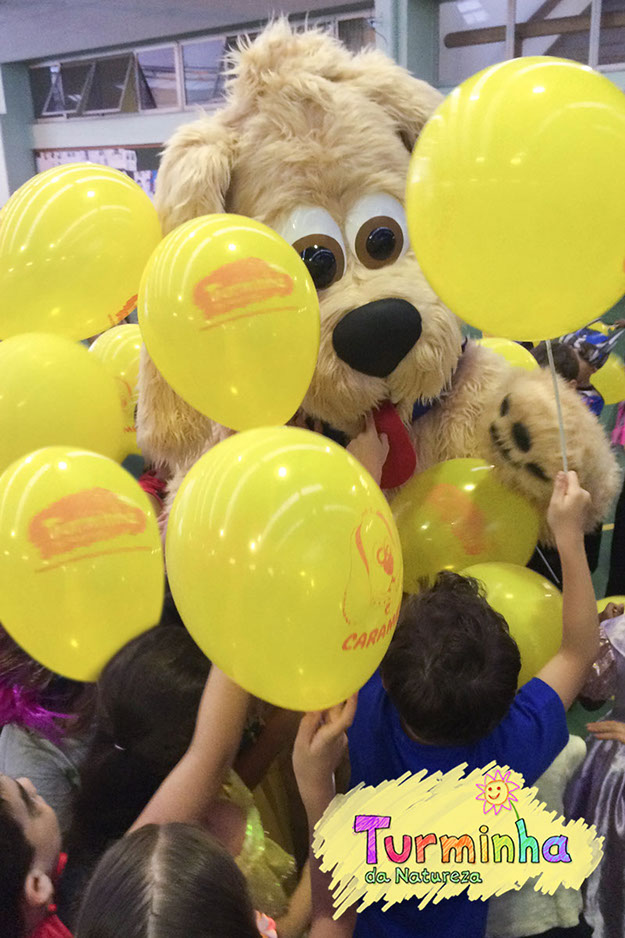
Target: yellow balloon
point(609, 380)
point(516, 198)
point(513, 353)
point(81, 566)
point(73, 244)
point(532, 607)
point(119, 349)
point(602, 603)
point(230, 316)
point(53, 392)
point(285, 565)
point(457, 513)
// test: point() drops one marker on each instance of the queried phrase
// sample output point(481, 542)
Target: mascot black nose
point(375, 337)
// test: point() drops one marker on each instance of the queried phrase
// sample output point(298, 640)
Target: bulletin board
point(139, 162)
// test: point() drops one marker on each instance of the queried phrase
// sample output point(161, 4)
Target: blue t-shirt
point(527, 740)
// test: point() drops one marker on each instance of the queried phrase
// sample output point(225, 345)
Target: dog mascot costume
point(315, 142)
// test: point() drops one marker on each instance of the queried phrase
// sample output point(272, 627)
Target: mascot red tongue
point(402, 458)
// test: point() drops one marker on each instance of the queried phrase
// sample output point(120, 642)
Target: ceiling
point(36, 29)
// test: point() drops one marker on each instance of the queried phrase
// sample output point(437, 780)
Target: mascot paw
point(523, 441)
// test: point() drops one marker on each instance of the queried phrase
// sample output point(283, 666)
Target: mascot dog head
point(315, 142)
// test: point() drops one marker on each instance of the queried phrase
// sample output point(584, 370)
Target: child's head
point(452, 667)
point(168, 881)
point(30, 842)
point(565, 359)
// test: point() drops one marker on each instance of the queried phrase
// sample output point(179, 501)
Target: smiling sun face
point(496, 792)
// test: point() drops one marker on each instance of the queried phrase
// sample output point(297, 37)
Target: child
point(175, 880)
point(597, 794)
point(45, 722)
point(565, 360)
point(446, 694)
point(29, 834)
point(148, 696)
point(527, 912)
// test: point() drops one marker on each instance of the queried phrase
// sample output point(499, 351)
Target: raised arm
point(191, 787)
point(320, 744)
point(568, 669)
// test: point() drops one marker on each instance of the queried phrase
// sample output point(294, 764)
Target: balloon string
point(556, 579)
point(565, 462)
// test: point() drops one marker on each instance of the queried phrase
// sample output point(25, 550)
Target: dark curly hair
point(452, 667)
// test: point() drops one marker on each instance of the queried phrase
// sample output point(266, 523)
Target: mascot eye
point(377, 232)
point(317, 239)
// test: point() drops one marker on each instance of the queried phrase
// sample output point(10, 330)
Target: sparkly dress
point(269, 870)
point(597, 794)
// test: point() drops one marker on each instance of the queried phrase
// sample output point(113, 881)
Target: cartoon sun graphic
point(496, 792)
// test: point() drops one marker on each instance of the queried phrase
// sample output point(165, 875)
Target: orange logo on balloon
point(372, 566)
point(125, 311)
point(236, 287)
point(84, 519)
point(467, 522)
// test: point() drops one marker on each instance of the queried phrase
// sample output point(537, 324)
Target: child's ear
point(38, 889)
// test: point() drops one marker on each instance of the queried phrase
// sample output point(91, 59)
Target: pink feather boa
point(21, 706)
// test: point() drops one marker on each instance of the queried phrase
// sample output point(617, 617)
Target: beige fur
point(306, 123)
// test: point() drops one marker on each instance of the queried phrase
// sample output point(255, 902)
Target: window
point(472, 33)
point(612, 33)
point(558, 28)
point(472, 36)
point(108, 85)
point(204, 66)
point(75, 79)
point(41, 80)
point(157, 78)
point(201, 63)
point(356, 33)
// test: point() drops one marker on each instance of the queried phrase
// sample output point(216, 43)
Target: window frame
point(331, 21)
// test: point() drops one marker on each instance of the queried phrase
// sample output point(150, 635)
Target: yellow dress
point(269, 870)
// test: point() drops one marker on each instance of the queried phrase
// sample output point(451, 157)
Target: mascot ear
point(409, 101)
point(193, 180)
point(194, 175)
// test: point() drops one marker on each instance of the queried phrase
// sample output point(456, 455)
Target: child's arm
point(191, 787)
point(608, 729)
point(320, 744)
point(567, 671)
point(296, 919)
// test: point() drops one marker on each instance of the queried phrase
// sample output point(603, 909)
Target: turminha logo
point(437, 836)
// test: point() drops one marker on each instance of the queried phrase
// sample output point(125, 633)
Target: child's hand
point(370, 449)
point(608, 729)
point(611, 611)
point(321, 742)
point(568, 506)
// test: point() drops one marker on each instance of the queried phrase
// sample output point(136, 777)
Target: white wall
point(117, 131)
